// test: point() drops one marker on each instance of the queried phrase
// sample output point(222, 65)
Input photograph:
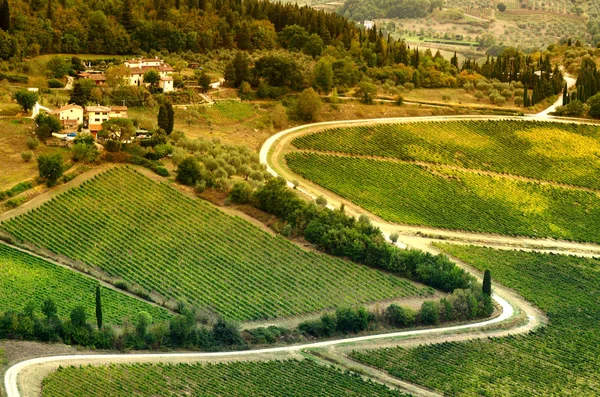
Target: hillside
point(560, 359)
point(149, 234)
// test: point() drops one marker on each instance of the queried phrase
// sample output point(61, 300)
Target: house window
point(97, 120)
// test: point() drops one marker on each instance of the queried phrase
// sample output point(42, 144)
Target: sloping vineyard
point(560, 359)
point(149, 234)
point(272, 378)
point(25, 278)
point(565, 153)
point(439, 197)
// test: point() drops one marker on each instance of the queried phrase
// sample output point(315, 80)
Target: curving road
point(511, 304)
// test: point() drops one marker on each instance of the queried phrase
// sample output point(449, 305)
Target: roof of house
point(97, 77)
point(118, 108)
point(144, 69)
point(97, 109)
point(69, 106)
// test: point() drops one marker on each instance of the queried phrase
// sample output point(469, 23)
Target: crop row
point(566, 153)
point(25, 278)
point(151, 235)
point(439, 197)
point(273, 378)
point(559, 360)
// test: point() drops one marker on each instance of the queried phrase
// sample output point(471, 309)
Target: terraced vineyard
point(228, 112)
point(25, 278)
point(441, 197)
point(560, 359)
point(182, 248)
point(566, 153)
point(273, 378)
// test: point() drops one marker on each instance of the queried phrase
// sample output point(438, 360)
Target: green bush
point(54, 83)
point(26, 156)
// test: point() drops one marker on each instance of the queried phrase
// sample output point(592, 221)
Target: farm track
point(517, 315)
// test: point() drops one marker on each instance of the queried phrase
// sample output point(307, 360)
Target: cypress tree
point(4, 16)
point(565, 95)
point(98, 307)
point(163, 118)
point(170, 117)
point(525, 97)
point(487, 283)
point(49, 10)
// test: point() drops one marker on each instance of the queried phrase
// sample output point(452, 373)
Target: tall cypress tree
point(170, 117)
point(525, 97)
point(49, 10)
point(163, 118)
point(98, 307)
point(487, 283)
point(4, 15)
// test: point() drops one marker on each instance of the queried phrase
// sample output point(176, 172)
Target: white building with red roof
point(138, 67)
point(71, 116)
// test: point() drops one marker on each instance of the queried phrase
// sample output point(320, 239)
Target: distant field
point(562, 359)
point(240, 379)
point(25, 278)
point(186, 249)
point(565, 153)
point(440, 197)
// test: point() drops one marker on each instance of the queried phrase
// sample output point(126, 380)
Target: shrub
point(32, 143)
point(499, 100)
point(479, 95)
point(394, 237)
point(322, 201)
point(308, 106)
point(54, 83)
point(594, 104)
point(15, 202)
point(189, 171)
point(240, 193)
point(26, 156)
point(430, 313)
point(200, 186)
point(399, 100)
point(399, 316)
point(573, 108)
point(50, 167)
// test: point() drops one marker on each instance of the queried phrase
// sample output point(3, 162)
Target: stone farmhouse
point(140, 66)
point(72, 116)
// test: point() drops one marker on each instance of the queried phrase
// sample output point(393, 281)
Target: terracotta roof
point(97, 77)
point(97, 109)
point(70, 106)
point(144, 69)
point(118, 108)
point(168, 78)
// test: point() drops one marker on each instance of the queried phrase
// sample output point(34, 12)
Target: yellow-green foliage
point(565, 153)
point(445, 198)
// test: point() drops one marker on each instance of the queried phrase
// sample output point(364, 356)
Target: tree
point(204, 81)
point(78, 316)
point(279, 116)
point(594, 104)
point(49, 10)
point(46, 125)
point(430, 313)
point(151, 77)
point(189, 171)
point(127, 16)
point(49, 309)
point(366, 92)
point(163, 118)
point(26, 99)
point(120, 129)
point(98, 307)
point(487, 283)
point(4, 16)
point(309, 105)
point(501, 7)
point(323, 75)
point(117, 77)
point(394, 238)
point(50, 167)
point(170, 117)
point(58, 67)
point(399, 316)
point(241, 67)
point(82, 92)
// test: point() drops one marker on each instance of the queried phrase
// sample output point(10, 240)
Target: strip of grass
point(562, 359)
point(25, 278)
point(185, 249)
point(439, 197)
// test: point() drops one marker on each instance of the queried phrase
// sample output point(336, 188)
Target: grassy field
point(13, 137)
point(565, 153)
point(181, 248)
point(562, 359)
point(273, 378)
point(25, 278)
point(440, 197)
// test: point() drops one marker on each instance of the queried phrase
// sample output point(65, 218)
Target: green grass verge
point(273, 378)
point(182, 248)
point(25, 278)
point(439, 197)
point(562, 359)
point(566, 153)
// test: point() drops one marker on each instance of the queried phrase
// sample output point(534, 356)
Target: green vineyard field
point(25, 278)
point(439, 197)
point(566, 153)
point(561, 359)
point(240, 379)
point(150, 234)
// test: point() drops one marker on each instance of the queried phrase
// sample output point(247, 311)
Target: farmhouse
point(138, 67)
point(71, 116)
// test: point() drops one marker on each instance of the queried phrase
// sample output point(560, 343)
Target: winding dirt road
point(516, 316)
